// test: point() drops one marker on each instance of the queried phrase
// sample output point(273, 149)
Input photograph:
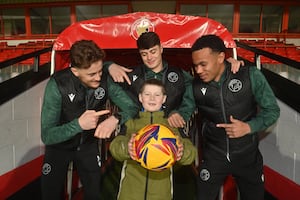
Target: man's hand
point(236, 129)
point(106, 128)
point(175, 120)
point(119, 73)
point(89, 119)
point(235, 64)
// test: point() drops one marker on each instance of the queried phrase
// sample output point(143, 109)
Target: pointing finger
point(223, 125)
point(127, 69)
point(102, 112)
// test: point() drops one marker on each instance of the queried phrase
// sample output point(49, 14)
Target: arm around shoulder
point(128, 108)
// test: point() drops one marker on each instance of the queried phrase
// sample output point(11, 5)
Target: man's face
point(152, 98)
point(208, 65)
point(152, 58)
point(90, 77)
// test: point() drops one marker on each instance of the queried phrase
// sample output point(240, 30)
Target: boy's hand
point(131, 149)
point(179, 151)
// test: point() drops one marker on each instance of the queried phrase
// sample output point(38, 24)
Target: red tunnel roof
point(119, 32)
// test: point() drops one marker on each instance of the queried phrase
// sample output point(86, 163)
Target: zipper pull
point(227, 156)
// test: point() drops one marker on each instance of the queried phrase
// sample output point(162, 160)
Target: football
point(156, 147)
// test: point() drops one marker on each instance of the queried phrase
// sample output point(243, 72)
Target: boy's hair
point(215, 43)
point(83, 53)
point(147, 40)
point(153, 82)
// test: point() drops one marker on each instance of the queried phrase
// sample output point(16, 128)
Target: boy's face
point(152, 98)
point(152, 58)
point(90, 77)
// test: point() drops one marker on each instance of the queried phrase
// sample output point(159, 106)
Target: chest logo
point(134, 77)
point(71, 96)
point(99, 93)
point(172, 77)
point(203, 90)
point(235, 85)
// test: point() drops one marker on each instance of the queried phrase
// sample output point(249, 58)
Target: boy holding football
point(136, 181)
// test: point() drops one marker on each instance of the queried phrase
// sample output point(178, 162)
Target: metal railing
point(17, 83)
point(285, 87)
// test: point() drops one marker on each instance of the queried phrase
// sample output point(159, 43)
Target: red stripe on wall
point(279, 186)
point(16, 179)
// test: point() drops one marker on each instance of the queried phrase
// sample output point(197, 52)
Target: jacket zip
point(147, 174)
point(86, 108)
point(225, 120)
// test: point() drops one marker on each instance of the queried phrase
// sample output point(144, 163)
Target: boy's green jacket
point(138, 183)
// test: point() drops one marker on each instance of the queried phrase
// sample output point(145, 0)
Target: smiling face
point(87, 62)
point(152, 58)
point(208, 65)
point(90, 77)
point(152, 97)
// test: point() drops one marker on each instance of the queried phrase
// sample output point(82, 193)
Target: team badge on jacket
point(173, 77)
point(99, 93)
point(235, 85)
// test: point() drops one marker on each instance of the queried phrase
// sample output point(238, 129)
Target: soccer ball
point(156, 147)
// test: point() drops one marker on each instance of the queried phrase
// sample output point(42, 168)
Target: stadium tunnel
point(177, 33)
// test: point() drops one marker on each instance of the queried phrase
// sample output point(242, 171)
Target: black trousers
point(247, 170)
point(55, 167)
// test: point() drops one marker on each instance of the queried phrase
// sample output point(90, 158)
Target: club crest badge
point(172, 77)
point(235, 85)
point(140, 26)
point(99, 93)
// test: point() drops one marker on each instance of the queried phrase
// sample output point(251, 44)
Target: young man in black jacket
point(72, 120)
point(234, 108)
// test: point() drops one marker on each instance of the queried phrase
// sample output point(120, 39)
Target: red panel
point(14, 180)
point(279, 186)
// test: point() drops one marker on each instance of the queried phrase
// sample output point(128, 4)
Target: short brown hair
point(84, 53)
point(153, 82)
